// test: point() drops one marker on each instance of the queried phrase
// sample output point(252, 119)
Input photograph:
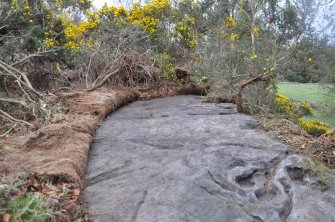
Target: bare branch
point(8, 100)
point(9, 117)
point(8, 131)
point(238, 93)
point(11, 71)
point(96, 85)
point(38, 54)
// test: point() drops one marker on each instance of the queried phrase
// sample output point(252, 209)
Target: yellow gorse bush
point(74, 33)
point(315, 127)
point(22, 8)
point(165, 64)
point(293, 109)
point(306, 109)
point(284, 104)
point(186, 33)
point(112, 13)
point(296, 111)
point(150, 15)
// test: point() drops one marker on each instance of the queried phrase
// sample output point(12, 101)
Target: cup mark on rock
point(267, 193)
point(246, 179)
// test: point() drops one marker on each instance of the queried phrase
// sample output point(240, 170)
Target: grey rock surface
point(177, 159)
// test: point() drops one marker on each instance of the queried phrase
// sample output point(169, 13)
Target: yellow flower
point(30, 21)
point(256, 31)
point(57, 67)
point(234, 37)
point(50, 44)
point(310, 59)
point(229, 21)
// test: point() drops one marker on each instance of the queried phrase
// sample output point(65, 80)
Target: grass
point(29, 208)
point(311, 92)
point(18, 205)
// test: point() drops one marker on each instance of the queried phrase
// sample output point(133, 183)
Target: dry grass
point(58, 152)
point(321, 149)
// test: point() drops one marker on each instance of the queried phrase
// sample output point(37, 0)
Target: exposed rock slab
point(177, 159)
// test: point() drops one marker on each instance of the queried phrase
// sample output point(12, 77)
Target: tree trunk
point(238, 100)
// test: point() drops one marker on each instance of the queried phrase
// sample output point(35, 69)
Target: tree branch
point(8, 100)
point(238, 93)
point(96, 85)
point(32, 55)
point(8, 131)
point(10, 70)
point(9, 117)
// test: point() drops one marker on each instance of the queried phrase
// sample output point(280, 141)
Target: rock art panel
point(177, 159)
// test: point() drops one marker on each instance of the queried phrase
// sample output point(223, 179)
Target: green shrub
point(166, 65)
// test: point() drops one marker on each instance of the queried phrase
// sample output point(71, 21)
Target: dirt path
point(177, 159)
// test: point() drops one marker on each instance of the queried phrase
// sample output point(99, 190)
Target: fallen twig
point(8, 131)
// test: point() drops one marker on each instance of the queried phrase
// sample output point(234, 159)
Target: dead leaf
point(303, 146)
point(50, 192)
point(6, 217)
point(76, 192)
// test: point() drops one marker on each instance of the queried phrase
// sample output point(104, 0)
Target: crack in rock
point(139, 205)
point(109, 174)
point(288, 209)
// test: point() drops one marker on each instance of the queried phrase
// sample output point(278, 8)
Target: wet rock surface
point(177, 159)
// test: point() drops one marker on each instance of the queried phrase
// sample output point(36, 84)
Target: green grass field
point(311, 92)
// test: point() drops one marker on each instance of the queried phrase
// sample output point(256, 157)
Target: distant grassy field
point(311, 92)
